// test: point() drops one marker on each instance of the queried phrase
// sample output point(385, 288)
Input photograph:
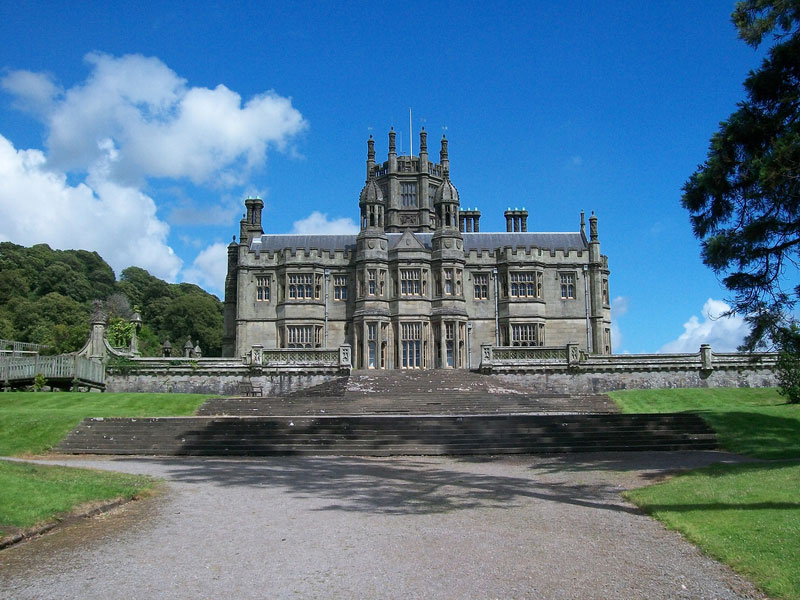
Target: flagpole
point(411, 133)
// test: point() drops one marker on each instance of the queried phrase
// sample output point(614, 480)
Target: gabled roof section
point(407, 241)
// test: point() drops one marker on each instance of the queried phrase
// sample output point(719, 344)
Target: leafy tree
point(744, 199)
point(46, 297)
point(120, 332)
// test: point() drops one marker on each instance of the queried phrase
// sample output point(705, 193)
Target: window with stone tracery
point(263, 291)
point(527, 334)
point(525, 284)
point(567, 286)
point(410, 282)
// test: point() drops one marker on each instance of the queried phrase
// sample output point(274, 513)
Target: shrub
point(788, 366)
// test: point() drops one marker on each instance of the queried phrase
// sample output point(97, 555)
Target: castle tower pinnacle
point(370, 156)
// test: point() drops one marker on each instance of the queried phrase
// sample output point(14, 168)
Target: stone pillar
point(345, 354)
point(486, 358)
point(573, 354)
point(706, 359)
point(256, 354)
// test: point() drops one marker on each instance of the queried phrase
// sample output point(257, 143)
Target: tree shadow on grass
point(755, 433)
point(393, 486)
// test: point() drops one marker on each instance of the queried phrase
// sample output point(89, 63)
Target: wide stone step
point(387, 435)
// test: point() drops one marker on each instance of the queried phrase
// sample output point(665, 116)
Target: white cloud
point(209, 268)
point(35, 92)
point(139, 111)
point(619, 306)
point(723, 333)
point(120, 223)
point(318, 223)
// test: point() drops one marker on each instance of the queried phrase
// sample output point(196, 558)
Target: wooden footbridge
point(19, 368)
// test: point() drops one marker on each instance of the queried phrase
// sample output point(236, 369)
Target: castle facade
point(420, 286)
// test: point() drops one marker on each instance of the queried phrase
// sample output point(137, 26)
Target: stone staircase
point(396, 413)
point(439, 392)
point(388, 435)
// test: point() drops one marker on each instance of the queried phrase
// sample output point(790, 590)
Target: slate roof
point(477, 241)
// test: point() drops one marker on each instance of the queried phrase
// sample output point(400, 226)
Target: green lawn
point(33, 422)
point(32, 494)
point(745, 515)
point(752, 421)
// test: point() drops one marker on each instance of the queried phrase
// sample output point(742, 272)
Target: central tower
point(408, 185)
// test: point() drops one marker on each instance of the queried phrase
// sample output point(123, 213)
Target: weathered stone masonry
point(420, 286)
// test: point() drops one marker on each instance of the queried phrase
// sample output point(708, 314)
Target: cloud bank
point(318, 223)
point(724, 334)
point(39, 206)
point(130, 120)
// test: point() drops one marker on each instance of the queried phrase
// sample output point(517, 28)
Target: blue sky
point(137, 129)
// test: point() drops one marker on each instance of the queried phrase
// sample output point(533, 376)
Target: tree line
point(46, 297)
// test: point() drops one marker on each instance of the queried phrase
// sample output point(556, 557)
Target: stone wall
point(539, 370)
point(216, 375)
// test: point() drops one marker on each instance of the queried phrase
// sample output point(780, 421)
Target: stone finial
point(593, 228)
point(98, 314)
point(392, 143)
point(423, 141)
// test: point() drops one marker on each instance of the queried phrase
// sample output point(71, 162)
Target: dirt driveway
point(401, 527)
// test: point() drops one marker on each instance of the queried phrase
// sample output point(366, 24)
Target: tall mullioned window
point(567, 286)
point(372, 287)
point(410, 339)
point(340, 287)
point(525, 284)
point(480, 285)
point(408, 193)
point(410, 282)
point(300, 286)
point(431, 194)
point(448, 282)
point(263, 291)
point(372, 341)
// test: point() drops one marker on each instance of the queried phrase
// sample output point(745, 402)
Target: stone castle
point(420, 286)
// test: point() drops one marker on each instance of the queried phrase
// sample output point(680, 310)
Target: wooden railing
point(62, 367)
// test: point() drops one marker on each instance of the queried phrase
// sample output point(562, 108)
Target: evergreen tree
point(744, 199)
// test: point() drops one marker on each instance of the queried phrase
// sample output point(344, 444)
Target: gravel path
point(423, 527)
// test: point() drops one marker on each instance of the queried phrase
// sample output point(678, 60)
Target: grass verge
point(31, 494)
point(33, 422)
point(755, 422)
point(746, 515)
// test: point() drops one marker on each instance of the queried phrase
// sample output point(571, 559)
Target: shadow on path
point(396, 486)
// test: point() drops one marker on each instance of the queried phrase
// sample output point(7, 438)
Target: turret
point(445, 204)
point(423, 151)
point(370, 156)
point(598, 273)
point(443, 158)
point(371, 204)
point(229, 306)
point(392, 151)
